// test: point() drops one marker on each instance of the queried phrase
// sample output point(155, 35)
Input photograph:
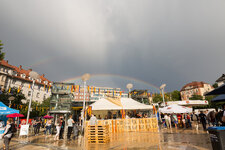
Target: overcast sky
point(158, 41)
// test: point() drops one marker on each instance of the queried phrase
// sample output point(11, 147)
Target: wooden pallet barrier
point(98, 134)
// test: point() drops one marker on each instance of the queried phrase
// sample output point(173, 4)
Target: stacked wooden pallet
point(98, 134)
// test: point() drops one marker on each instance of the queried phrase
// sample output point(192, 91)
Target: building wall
point(190, 91)
point(9, 79)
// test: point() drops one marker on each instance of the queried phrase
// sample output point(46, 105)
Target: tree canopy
point(196, 97)
point(2, 55)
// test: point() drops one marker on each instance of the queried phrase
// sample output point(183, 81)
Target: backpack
point(13, 128)
point(194, 118)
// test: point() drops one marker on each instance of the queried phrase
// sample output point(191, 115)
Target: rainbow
point(41, 62)
point(117, 76)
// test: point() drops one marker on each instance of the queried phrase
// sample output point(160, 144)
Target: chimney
point(20, 67)
point(30, 69)
point(43, 75)
point(7, 61)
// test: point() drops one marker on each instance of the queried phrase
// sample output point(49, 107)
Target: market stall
point(116, 106)
point(4, 111)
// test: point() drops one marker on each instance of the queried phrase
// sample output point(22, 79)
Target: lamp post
point(11, 98)
point(34, 75)
point(85, 77)
point(129, 86)
point(162, 89)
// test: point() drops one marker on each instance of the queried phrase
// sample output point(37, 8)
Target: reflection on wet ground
point(174, 139)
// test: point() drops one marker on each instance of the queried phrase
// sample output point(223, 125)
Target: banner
point(24, 130)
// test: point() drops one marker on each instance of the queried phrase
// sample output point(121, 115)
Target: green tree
point(44, 104)
point(157, 98)
point(175, 95)
point(215, 85)
point(18, 96)
point(196, 97)
point(2, 55)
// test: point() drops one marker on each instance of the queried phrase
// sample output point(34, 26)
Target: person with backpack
point(10, 130)
point(195, 120)
point(202, 117)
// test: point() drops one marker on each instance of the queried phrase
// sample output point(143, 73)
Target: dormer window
point(45, 82)
point(23, 75)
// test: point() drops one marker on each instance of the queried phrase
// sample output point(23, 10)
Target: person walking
point(48, 126)
point(189, 120)
point(70, 123)
point(58, 127)
point(195, 120)
point(202, 117)
point(175, 120)
point(166, 117)
point(62, 124)
point(10, 129)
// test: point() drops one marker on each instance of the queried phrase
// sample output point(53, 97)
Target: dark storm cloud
point(171, 42)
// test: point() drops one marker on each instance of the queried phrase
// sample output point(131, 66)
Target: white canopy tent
point(175, 109)
point(126, 104)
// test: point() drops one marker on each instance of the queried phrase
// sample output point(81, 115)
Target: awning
point(217, 91)
point(175, 109)
point(220, 98)
point(5, 110)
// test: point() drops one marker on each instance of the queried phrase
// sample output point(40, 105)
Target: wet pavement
point(166, 139)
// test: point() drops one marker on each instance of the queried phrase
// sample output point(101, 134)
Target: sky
point(151, 41)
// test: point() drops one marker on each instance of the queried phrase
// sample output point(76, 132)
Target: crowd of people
point(190, 120)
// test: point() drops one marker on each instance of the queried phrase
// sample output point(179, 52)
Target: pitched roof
point(20, 71)
point(194, 84)
point(222, 78)
point(6, 64)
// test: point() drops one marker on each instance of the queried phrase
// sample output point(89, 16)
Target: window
point(81, 93)
point(38, 95)
point(13, 81)
point(29, 93)
point(80, 97)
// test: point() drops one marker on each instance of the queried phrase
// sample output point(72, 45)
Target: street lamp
point(129, 86)
point(162, 87)
point(34, 75)
point(11, 98)
point(85, 77)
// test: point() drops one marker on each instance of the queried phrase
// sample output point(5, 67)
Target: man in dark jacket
point(62, 124)
point(202, 117)
point(221, 114)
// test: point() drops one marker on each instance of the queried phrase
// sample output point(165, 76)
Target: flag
point(120, 93)
point(29, 86)
point(67, 87)
point(79, 88)
point(9, 89)
point(94, 89)
point(98, 90)
point(18, 89)
point(72, 88)
point(88, 89)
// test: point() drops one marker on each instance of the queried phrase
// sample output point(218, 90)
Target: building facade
point(195, 88)
point(12, 76)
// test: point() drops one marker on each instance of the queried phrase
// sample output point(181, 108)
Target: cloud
point(171, 42)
